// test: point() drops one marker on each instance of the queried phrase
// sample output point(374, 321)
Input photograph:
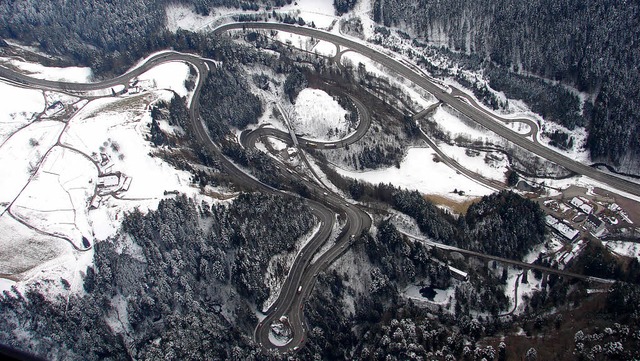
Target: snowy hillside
point(421, 172)
point(319, 116)
point(70, 74)
point(67, 183)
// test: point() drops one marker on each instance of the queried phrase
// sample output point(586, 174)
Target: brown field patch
point(459, 207)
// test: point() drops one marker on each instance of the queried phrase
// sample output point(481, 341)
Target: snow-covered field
point(351, 58)
point(51, 175)
point(69, 74)
point(629, 249)
point(180, 16)
point(324, 48)
point(105, 127)
point(319, 116)
point(419, 171)
point(176, 71)
point(447, 121)
point(493, 169)
point(24, 105)
point(320, 12)
point(24, 248)
point(21, 155)
point(54, 201)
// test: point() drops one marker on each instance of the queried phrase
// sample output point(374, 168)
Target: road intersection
point(455, 99)
point(323, 202)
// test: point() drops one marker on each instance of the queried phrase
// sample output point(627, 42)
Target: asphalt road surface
point(454, 100)
point(523, 265)
point(303, 272)
point(324, 204)
point(22, 79)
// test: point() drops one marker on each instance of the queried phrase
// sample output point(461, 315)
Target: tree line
point(179, 282)
point(586, 44)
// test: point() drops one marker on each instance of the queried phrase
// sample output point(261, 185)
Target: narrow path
point(524, 265)
point(515, 297)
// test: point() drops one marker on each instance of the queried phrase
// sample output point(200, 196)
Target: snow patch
point(169, 76)
point(629, 249)
point(324, 48)
point(5, 284)
point(19, 106)
point(419, 171)
point(319, 116)
point(71, 74)
point(280, 333)
point(441, 297)
point(277, 340)
point(524, 290)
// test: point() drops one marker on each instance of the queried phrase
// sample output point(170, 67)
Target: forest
point(108, 36)
point(227, 101)
point(179, 282)
point(182, 282)
point(589, 45)
point(384, 324)
point(503, 224)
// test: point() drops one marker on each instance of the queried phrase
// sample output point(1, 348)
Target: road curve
point(290, 302)
point(303, 275)
point(157, 59)
point(476, 113)
point(303, 272)
point(533, 125)
point(249, 139)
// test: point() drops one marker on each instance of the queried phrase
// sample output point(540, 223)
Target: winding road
point(160, 58)
point(323, 203)
point(456, 99)
point(304, 270)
